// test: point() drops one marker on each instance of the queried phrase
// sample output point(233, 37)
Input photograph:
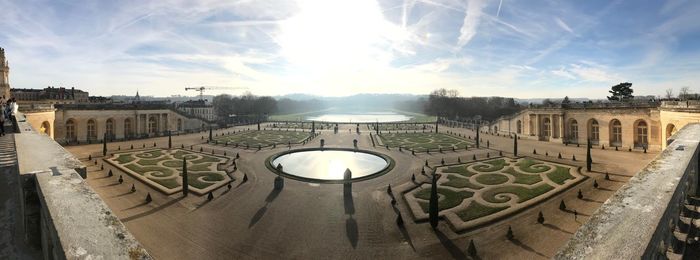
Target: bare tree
point(669, 93)
point(684, 93)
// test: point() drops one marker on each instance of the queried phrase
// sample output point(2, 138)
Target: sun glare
point(328, 35)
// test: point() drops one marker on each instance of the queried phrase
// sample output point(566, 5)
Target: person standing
point(13, 114)
point(2, 119)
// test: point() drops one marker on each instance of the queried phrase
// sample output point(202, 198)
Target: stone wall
point(640, 219)
point(60, 213)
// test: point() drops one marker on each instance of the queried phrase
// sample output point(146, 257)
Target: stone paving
point(162, 169)
point(303, 220)
point(476, 193)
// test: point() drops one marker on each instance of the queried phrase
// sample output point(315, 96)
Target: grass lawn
point(449, 198)
point(263, 138)
point(461, 169)
point(476, 210)
point(523, 178)
point(459, 182)
point(491, 179)
point(523, 194)
point(423, 141)
point(560, 175)
point(531, 166)
point(491, 166)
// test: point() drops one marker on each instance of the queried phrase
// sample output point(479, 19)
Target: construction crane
point(202, 88)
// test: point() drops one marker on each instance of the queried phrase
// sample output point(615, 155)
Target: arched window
point(615, 133)
point(573, 131)
point(109, 128)
point(670, 130)
point(152, 125)
point(641, 134)
point(593, 130)
point(45, 128)
point(547, 129)
point(519, 126)
point(91, 130)
point(179, 124)
point(70, 130)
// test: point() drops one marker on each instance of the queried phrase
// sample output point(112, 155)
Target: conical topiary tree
point(210, 134)
point(589, 160)
point(104, 145)
point(472, 249)
point(477, 137)
point(562, 205)
point(185, 181)
point(540, 218)
point(433, 207)
point(515, 145)
point(170, 140)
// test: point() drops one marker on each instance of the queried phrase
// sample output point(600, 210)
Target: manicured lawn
point(448, 198)
point(166, 167)
point(459, 182)
point(461, 169)
point(560, 175)
point(423, 141)
point(491, 179)
point(476, 210)
point(531, 166)
point(523, 178)
point(491, 166)
point(263, 138)
point(523, 194)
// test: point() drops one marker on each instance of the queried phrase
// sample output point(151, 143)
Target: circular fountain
point(330, 165)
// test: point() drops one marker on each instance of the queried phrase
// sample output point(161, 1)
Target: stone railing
point(59, 212)
point(643, 218)
point(689, 104)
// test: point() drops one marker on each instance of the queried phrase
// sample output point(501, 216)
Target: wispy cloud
point(336, 47)
point(471, 22)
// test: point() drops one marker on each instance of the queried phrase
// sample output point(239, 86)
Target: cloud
point(563, 25)
point(471, 22)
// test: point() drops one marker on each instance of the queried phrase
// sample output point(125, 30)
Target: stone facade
point(610, 125)
point(90, 123)
point(4, 76)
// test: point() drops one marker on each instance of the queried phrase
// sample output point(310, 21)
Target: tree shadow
point(454, 250)
point(109, 185)
point(122, 194)
point(136, 206)
point(592, 200)
point(517, 242)
point(258, 215)
point(351, 231)
point(154, 210)
point(578, 213)
point(550, 226)
point(261, 212)
point(605, 189)
point(348, 201)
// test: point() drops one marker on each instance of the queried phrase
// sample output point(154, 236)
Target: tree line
point(448, 103)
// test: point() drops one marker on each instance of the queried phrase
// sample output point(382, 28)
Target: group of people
point(8, 111)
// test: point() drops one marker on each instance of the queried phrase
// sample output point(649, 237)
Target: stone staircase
point(686, 244)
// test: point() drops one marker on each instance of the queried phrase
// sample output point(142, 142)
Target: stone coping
point(634, 222)
point(82, 223)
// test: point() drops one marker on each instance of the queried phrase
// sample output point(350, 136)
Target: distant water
point(369, 117)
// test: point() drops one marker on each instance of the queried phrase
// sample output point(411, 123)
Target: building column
point(562, 127)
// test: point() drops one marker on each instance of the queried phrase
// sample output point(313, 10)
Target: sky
point(523, 49)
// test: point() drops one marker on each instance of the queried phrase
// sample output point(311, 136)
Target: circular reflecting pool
point(330, 164)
